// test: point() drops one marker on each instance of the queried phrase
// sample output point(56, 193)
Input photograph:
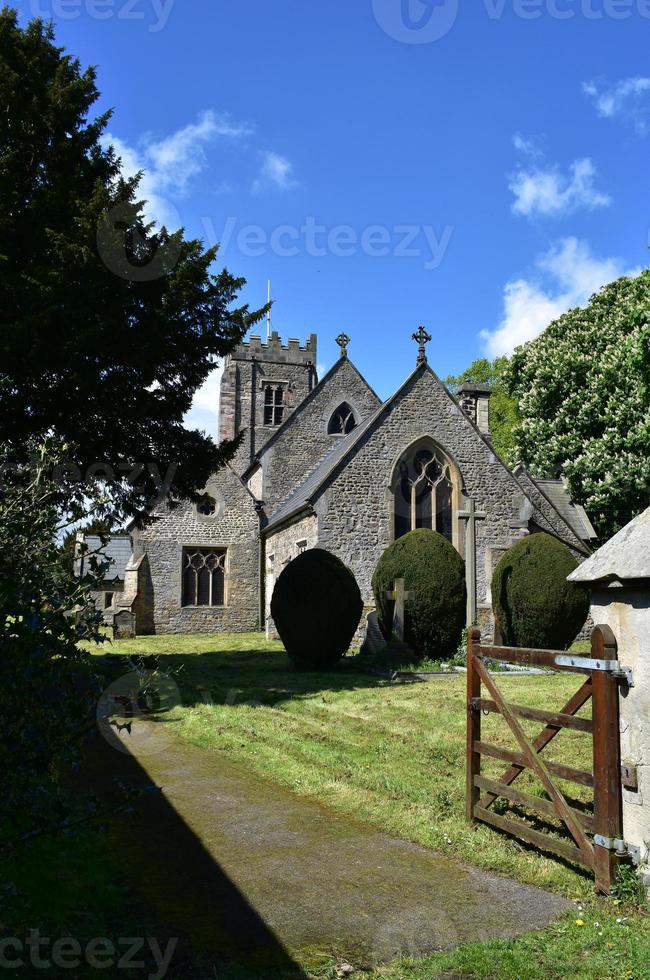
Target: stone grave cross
point(399, 596)
point(471, 515)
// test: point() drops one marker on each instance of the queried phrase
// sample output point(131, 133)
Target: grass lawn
point(393, 755)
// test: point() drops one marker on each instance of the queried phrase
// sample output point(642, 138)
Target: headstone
point(123, 625)
point(374, 641)
point(619, 577)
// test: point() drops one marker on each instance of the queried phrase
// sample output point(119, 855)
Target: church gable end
point(340, 403)
point(204, 560)
point(356, 504)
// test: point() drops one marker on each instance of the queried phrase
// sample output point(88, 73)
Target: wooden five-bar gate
point(593, 839)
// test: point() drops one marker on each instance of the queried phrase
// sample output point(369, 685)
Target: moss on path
point(248, 870)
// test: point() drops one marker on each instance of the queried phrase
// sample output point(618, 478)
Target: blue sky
point(477, 166)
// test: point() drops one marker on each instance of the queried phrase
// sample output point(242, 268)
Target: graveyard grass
point(393, 755)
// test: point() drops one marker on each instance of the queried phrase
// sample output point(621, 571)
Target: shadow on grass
point(235, 677)
point(554, 831)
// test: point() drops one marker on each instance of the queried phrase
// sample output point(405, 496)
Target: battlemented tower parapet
point(262, 384)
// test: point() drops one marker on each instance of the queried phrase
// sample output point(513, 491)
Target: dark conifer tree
point(108, 325)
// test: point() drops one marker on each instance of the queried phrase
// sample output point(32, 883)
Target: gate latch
point(621, 847)
point(630, 776)
point(613, 667)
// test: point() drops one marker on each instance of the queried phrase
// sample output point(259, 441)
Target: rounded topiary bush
point(533, 603)
point(434, 577)
point(316, 607)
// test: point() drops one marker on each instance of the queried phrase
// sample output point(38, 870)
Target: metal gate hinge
point(622, 848)
point(613, 667)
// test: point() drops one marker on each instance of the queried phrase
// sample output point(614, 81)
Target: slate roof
point(118, 549)
point(290, 419)
point(624, 557)
point(300, 498)
point(302, 495)
point(574, 515)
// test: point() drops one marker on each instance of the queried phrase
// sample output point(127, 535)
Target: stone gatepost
point(619, 577)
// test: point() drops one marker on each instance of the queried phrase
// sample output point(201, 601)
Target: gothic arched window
point(424, 489)
point(204, 574)
point(342, 421)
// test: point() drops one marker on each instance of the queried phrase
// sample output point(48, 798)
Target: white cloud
point(276, 171)
point(624, 98)
point(528, 145)
point(546, 191)
point(566, 276)
point(170, 164)
point(204, 413)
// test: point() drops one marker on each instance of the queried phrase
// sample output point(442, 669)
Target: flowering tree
point(583, 392)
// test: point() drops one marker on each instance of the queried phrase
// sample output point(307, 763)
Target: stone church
point(327, 463)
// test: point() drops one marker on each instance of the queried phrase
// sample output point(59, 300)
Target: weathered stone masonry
point(295, 449)
point(358, 500)
point(281, 548)
point(235, 527)
point(296, 485)
point(246, 371)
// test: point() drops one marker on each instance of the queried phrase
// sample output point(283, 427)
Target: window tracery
point(423, 492)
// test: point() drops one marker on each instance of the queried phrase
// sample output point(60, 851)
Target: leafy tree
point(434, 576)
point(503, 408)
point(100, 526)
point(107, 325)
point(583, 390)
point(48, 689)
point(533, 603)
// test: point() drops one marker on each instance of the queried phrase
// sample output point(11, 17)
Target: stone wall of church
point(281, 548)
point(355, 508)
point(252, 365)
point(235, 527)
point(305, 440)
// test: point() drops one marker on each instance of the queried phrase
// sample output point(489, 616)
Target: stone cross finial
point(422, 338)
point(343, 340)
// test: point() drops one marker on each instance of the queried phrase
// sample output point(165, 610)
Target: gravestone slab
point(374, 641)
point(123, 625)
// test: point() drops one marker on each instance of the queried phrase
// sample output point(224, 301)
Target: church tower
point(262, 384)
